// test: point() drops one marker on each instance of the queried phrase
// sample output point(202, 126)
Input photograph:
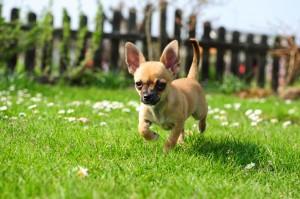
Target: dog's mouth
point(150, 99)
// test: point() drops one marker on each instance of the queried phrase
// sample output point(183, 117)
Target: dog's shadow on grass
point(227, 150)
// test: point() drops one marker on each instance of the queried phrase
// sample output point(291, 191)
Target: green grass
point(40, 150)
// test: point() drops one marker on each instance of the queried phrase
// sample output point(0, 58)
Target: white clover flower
point(70, 111)
point(3, 99)
point(22, 114)
point(286, 123)
point(253, 117)
point(250, 166)
point(8, 103)
point(257, 112)
point(237, 106)
point(50, 104)
point(274, 120)
point(248, 112)
point(223, 118)
point(253, 123)
point(222, 112)
point(227, 106)
point(3, 108)
point(103, 123)
point(36, 99)
point(225, 123)
point(216, 110)
point(288, 102)
point(12, 87)
point(32, 106)
point(71, 119)
point(86, 128)
point(61, 112)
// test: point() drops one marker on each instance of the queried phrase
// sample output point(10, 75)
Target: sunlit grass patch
point(59, 142)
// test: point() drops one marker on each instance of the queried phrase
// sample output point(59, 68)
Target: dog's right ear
point(133, 57)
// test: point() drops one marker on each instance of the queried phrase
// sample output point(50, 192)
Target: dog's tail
point(196, 59)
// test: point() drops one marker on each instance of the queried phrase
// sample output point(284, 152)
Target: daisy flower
point(286, 123)
point(3, 108)
point(32, 106)
point(250, 166)
point(82, 172)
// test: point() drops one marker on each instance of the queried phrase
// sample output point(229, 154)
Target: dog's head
point(152, 78)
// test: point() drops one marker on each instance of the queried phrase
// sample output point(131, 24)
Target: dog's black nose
point(150, 98)
point(147, 97)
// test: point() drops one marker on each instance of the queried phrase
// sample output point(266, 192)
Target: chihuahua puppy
point(165, 102)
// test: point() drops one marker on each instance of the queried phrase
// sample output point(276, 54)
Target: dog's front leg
point(144, 129)
point(173, 137)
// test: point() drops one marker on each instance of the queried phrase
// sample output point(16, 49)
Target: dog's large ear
point(170, 57)
point(133, 57)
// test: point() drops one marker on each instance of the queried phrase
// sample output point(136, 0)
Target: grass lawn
point(251, 148)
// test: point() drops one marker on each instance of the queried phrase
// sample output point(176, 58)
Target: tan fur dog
point(165, 102)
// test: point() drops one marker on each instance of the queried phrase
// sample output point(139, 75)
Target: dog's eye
point(139, 85)
point(160, 86)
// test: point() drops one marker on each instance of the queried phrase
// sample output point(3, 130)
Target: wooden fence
point(255, 53)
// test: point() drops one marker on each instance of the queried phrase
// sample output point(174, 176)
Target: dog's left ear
point(133, 57)
point(170, 57)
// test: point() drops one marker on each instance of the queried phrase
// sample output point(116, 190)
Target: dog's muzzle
point(150, 99)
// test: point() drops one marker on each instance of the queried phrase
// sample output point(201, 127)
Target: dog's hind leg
point(202, 124)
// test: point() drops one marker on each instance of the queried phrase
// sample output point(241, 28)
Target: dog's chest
point(160, 118)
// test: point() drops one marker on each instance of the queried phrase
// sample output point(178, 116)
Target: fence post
point(178, 25)
point(163, 23)
point(262, 62)
point(132, 21)
point(275, 70)
point(65, 42)
point(235, 54)
point(30, 53)
point(192, 34)
point(147, 30)
point(205, 55)
point(97, 38)
point(1, 11)
point(251, 61)
point(81, 38)
point(220, 55)
point(13, 58)
point(115, 41)
point(47, 44)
